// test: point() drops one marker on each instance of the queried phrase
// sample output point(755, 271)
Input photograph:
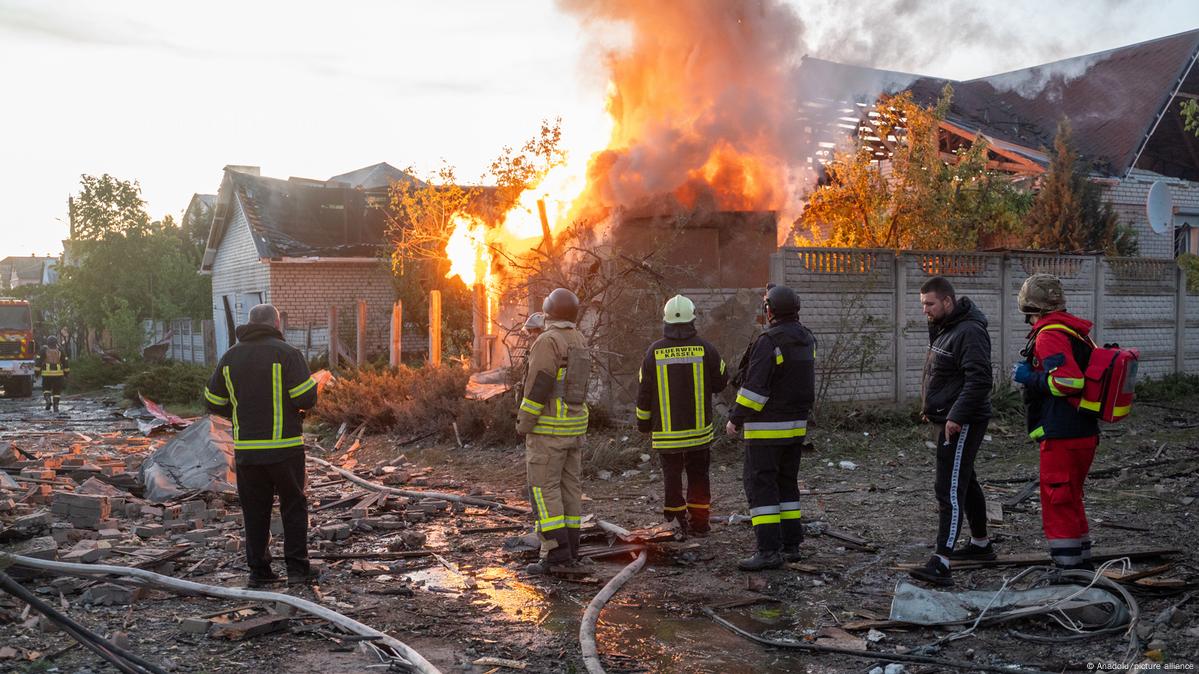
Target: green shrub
point(1169, 387)
point(169, 383)
point(90, 373)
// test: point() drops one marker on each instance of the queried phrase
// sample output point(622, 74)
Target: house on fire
point(303, 245)
point(1123, 104)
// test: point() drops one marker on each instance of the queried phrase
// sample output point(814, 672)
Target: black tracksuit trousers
point(697, 504)
point(958, 493)
point(771, 477)
point(256, 488)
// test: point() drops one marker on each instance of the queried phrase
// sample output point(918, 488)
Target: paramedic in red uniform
point(1059, 347)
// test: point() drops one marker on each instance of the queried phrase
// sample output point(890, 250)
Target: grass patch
point(1169, 387)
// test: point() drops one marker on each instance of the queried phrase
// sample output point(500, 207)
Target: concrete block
point(110, 534)
point(200, 535)
point(195, 625)
point(109, 594)
point(150, 530)
point(87, 552)
point(42, 547)
point(35, 521)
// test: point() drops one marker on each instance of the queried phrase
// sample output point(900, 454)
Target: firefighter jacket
point(51, 362)
point(261, 384)
point(679, 375)
point(543, 411)
point(1060, 350)
point(778, 387)
point(957, 370)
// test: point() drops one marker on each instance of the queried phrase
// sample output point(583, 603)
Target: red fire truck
point(17, 348)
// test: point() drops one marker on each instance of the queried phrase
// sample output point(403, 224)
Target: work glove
point(1022, 373)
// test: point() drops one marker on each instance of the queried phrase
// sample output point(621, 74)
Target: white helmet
point(678, 309)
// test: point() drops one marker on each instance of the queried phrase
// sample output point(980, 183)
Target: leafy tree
point(915, 198)
point(1190, 115)
point(1069, 212)
point(106, 207)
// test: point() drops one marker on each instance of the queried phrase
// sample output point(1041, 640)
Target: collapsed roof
point(1123, 104)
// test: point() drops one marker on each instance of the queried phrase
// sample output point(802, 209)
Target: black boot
point(974, 552)
point(791, 553)
point(263, 578)
point(761, 561)
point(56, 405)
point(934, 571)
point(572, 537)
point(48, 401)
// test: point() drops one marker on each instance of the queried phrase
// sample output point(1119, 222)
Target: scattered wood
point(402, 554)
point(248, 629)
point(1042, 558)
point(1118, 576)
point(994, 512)
point(493, 530)
point(500, 662)
point(855, 541)
point(1031, 487)
point(355, 496)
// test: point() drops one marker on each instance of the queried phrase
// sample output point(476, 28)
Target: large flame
point(703, 114)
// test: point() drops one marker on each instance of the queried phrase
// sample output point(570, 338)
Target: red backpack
point(1110, 377)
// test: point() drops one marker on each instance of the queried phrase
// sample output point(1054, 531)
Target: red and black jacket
point(1059, 350)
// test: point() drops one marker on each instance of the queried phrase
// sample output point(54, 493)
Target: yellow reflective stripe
point(1053, 389)
point(778, 356)
point(232, 401)
point(1089, 405)
point(775, 434)
point(664, 384)
point(551, 525)
point(1059, 326)
point(674, 509)
point(51, 373)
point(1037, 433)
point(1072, 382)
point(701, 506)
point(214, 398)
point(697, 378)
point(670, 435)
point(791, 515)
point(755, 406)
point(278, 443)
point(277, 400)
point(531, 407)
point(540, 503)
point(1121, 411)
point(721, 366)
point(572, 522)
point(681, 444)
point(301, 388)
point(644, 415)
point(767, 519)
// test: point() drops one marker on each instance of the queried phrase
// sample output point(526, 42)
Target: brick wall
point(236, 271)
point(1128, 198)
point(851, 295)
point(306, 291)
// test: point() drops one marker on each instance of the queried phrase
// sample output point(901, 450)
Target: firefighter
point(53, 367)
point(262, 385)
point(534, 325)
point(553, 420)
point(1058, 350)
point(679, 375)
point(957, 400)
point(771, 414)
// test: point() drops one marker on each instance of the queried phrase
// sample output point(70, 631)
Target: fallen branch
point(453, 498)
point(952, 665)
point(591, 615)
point(188, 587)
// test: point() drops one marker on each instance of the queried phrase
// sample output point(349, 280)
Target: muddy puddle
point(632, 637)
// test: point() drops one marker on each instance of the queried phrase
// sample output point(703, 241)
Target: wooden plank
point(342, 501)
point(397, 333)
point(1031, 487)
point(248, 629)
point(856, 541)
point(994, 512)
point(435, 328)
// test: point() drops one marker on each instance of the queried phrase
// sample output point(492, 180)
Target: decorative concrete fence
point(864, 306)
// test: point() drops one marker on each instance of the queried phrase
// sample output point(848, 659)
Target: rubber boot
point(47, 397)
point(761, 561)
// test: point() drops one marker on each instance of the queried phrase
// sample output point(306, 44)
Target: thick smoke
point(704, 102)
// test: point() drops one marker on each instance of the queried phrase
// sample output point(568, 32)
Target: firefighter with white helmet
point(679, 375)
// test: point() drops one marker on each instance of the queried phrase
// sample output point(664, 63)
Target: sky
point(167, 92)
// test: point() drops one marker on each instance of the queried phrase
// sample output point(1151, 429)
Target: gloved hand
point(1022, 372)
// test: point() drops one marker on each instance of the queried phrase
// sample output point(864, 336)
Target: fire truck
point(17, 348)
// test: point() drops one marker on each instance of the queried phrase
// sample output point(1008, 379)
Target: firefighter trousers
point(771, 477)
point(257, 485)
point(959, 495)
point(698, 502)
point(554, 465)
point(1065, 463)
point(52, 387)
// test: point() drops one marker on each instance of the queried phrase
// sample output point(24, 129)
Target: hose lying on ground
point(591, 615)
point(378, 639)
point(123, 660)
point(453, 498)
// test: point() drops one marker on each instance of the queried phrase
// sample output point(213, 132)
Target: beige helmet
point(1041, 294)
point(678, 309)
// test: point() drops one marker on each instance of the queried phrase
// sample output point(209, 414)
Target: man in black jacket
point(262, 384)
point(771, 413)
point(957, 399)
point(679, 375)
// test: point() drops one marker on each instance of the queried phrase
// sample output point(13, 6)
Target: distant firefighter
point(53, 367)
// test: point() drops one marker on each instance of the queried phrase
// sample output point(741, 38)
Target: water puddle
point(638, 637)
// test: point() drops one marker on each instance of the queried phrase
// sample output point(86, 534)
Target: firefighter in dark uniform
point(53, 367)
point(679, 375)
point(771, 414)
point(553, 419)
point(262, 384)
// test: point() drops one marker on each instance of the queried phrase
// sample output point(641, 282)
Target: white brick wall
point(1128, 199)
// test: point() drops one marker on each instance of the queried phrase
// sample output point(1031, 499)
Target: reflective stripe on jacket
point(261, 384)
point(542, 410)
point(678, 377)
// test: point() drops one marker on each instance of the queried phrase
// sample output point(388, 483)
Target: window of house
point(1186, 233)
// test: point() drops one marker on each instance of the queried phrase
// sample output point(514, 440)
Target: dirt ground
point(480, 603)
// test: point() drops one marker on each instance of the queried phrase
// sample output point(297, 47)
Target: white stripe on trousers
point(955, 519)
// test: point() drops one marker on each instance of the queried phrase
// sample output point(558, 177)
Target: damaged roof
point(298, 217)
point(1114, 100)
point(374, 177)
